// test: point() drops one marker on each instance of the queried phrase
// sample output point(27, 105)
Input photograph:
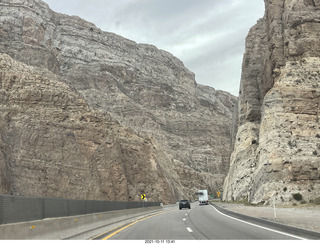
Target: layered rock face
point(179, 132)
point(276, 153)
point(54, 145)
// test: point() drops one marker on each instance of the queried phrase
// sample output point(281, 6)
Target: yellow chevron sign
point(143, 196)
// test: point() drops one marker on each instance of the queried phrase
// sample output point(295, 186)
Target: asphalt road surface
point(201, 222)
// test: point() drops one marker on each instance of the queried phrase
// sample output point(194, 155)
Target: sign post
point(143, 197)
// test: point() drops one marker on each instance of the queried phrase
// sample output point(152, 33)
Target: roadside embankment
point(305, 216)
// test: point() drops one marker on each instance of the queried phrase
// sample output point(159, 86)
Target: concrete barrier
point(61, 228)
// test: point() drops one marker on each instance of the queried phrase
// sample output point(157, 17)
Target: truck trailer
point(203, 197)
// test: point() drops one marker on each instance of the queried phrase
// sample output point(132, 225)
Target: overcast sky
point(208, 36)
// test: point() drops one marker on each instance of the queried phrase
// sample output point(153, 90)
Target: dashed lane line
point(189, 229)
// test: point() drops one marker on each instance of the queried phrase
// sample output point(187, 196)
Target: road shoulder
point(306, 218)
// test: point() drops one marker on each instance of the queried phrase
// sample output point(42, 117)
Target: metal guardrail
point(15, 209)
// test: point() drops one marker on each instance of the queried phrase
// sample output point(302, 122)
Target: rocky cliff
point(100, 116)
point(276, 153)
point(53, 145)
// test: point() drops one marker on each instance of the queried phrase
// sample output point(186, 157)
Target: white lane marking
point(189, 229)
point(186, 214)
point(279, 232)
point(184, 219)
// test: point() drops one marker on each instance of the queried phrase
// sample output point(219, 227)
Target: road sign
point(218, 193)
point(143, 196)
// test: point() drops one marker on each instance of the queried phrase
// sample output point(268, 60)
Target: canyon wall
point(102, 113)
point(276, 155)
point(53, 145)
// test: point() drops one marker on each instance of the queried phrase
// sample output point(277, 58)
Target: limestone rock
point(276, 152)
point(54, 145)
point(143, 88)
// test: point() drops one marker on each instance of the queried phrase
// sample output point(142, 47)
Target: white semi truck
point(203, 197)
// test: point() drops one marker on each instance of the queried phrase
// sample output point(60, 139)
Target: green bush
point(297, 196)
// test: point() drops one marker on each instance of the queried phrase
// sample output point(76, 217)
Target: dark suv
point(184, 204)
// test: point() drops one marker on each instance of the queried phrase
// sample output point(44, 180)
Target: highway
point(201, 222)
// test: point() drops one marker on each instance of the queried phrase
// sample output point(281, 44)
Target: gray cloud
point(208, 36)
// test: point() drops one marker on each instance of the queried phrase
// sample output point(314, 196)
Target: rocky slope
point(179, 136)
point(53, 145)
point(276, 153)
